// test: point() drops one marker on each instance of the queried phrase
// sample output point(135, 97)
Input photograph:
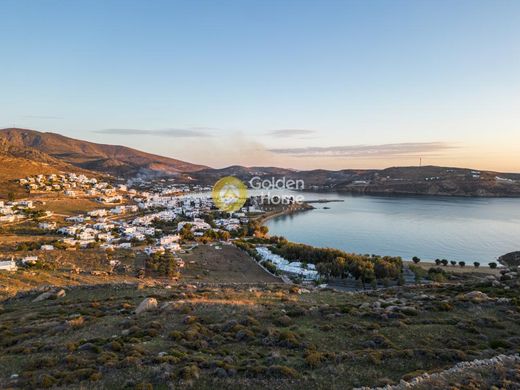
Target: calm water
point(429, 227)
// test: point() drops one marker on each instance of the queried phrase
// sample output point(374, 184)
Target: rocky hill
point(428, 180)
point(111, 159)
point(59, 152)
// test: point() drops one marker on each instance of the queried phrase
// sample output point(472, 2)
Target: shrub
point(282, 371)
point(476, 264)
point(462, 263)
point(443, 306)
point(46, 381)
point(496, 344)
point(284, 320)
point(76, 322)
point(314, 358)
point(453, 263)
point(288, 338)
point(444, 262)
point(492, 265)
point(190, 372)
point(416, 260)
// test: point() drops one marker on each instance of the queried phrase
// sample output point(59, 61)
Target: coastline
point(286, 211)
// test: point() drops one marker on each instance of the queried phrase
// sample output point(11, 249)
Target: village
point(148, 217)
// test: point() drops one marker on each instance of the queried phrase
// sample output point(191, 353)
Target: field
point(69, 206)
point(468, 269)
point(225, 265)
point(76, 322)
point(265, 336)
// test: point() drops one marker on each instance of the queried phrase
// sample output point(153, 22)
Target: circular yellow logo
point(229, 194)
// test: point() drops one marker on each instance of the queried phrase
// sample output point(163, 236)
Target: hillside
point(427, 180)
point(57, 152)
point(112, 159)
point(17, 162)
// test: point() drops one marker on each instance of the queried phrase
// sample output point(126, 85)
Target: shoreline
point(288, 211)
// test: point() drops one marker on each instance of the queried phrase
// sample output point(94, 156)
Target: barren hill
point(112, 159)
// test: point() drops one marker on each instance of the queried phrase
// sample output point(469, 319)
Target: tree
point(444, 262)
point(416, 260)
point(453, 263)
point(339, 268)
point(186, 233)
point(476, 264)
point(438, 261)
point(492, 265)
point(462, 263)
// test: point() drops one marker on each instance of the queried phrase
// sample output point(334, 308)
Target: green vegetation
point(253, 336)
point(162, 264)
point(334, 263)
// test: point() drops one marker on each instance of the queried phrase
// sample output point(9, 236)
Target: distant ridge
point(112, 159)
point(24, 152)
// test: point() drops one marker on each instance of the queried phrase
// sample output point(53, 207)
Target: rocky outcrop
point(149, 304)
point(423, 380)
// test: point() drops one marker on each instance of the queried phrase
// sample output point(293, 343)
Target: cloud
point(287, 133)
point(175, 133)
point(376, 151)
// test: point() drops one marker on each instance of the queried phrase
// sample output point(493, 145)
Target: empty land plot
point(227, 264)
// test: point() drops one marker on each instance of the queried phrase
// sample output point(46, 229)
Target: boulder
point(477, 296)
point(44, 296)
point(147, 304)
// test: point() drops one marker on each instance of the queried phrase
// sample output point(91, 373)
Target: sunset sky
point(301, 84)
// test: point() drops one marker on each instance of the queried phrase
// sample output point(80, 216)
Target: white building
point(166, 240)
point(47, 225)
point(29, 259)
point(8, 265)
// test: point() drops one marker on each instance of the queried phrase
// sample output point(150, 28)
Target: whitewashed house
point(8, 265)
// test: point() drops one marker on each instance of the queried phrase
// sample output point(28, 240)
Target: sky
point(291, 83)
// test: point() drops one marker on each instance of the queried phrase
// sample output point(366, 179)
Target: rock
point(228, 359)
point(88, 347)
point(148, 304)
point(221, 373)
point(409, 310)
point(44, 296)
point(476, 296)
point(61, 293)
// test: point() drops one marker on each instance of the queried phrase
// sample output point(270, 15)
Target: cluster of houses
point(115, 227)
point(63, 182)
point(11, 265)
point(73, 185)
point(102, 228)
point(16, 211)
point(295, 268)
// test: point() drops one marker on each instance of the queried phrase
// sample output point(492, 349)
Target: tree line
point(335, 263)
